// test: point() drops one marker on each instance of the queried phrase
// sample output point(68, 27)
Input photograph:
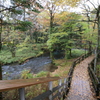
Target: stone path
point(80, 85)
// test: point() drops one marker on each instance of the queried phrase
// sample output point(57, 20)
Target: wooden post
point(60, 83)
point(0, 79)
point(1, 96)
point(50, 88)
point(22, 93)
point(65, 80)
point(95, 60)
point(65, 90)
point(98, 89)
point(0, 71)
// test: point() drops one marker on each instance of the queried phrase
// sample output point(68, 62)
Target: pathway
point(80, 85)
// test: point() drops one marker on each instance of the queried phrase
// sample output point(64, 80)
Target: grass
point(63, 67)
point(27, 75)
point(78, 52)
point(23, 52)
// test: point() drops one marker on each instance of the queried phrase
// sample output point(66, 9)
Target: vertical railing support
point(60, 83)
point(1, 96)
point(22, 93)
point(65, 90)
point(65, 81)
point(50, 88)
point(98, 89)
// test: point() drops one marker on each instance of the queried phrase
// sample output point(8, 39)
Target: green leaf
point(35, 10)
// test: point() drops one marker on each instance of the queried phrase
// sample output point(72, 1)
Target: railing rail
point(59, 91)
point(20, 84)
point(94, 79)
point(78, 60)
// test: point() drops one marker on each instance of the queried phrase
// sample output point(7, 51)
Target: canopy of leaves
point(15, 11)
point(89, 33)
point(71, 3)
point(57, 41)
point(23, 25)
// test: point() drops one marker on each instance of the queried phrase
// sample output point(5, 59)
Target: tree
point(96, 20)
point(55, 6)
point(58, 42)
point(8, 16)
point(17, 7)
point(11, 39)
point(70, 27)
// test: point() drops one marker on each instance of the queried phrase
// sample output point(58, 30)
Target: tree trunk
point(66, 54)
point(0, 62)
point(51, 55)
point(90, 48)
point(98, 16)
point(0, 70)
point(13, 50)
point(70, 52)
point(13, 54)
point(95, 60)
point(0, 34)
point(98, 40)
point(51, 21)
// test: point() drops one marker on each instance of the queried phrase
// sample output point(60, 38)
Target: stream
point(35, 65)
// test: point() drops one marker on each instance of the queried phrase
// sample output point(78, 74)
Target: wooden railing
point(78, 60)
point(59, 91)
point(20, 84)
point(94, 79)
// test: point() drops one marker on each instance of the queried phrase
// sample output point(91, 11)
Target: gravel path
point(80, 85)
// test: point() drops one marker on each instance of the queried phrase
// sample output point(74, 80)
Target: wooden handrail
point(20, 83)
point(94, 79)
point(94, 76)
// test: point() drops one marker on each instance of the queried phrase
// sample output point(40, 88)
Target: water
point(35, 65)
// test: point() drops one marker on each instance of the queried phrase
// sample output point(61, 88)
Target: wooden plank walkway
point(80, 85)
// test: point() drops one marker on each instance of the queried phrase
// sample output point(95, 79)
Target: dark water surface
point(35, 65)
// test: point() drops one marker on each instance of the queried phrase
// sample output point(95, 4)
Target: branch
point(94, 21)
point(93, 5)
point(2, 6)
point(9, 8)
